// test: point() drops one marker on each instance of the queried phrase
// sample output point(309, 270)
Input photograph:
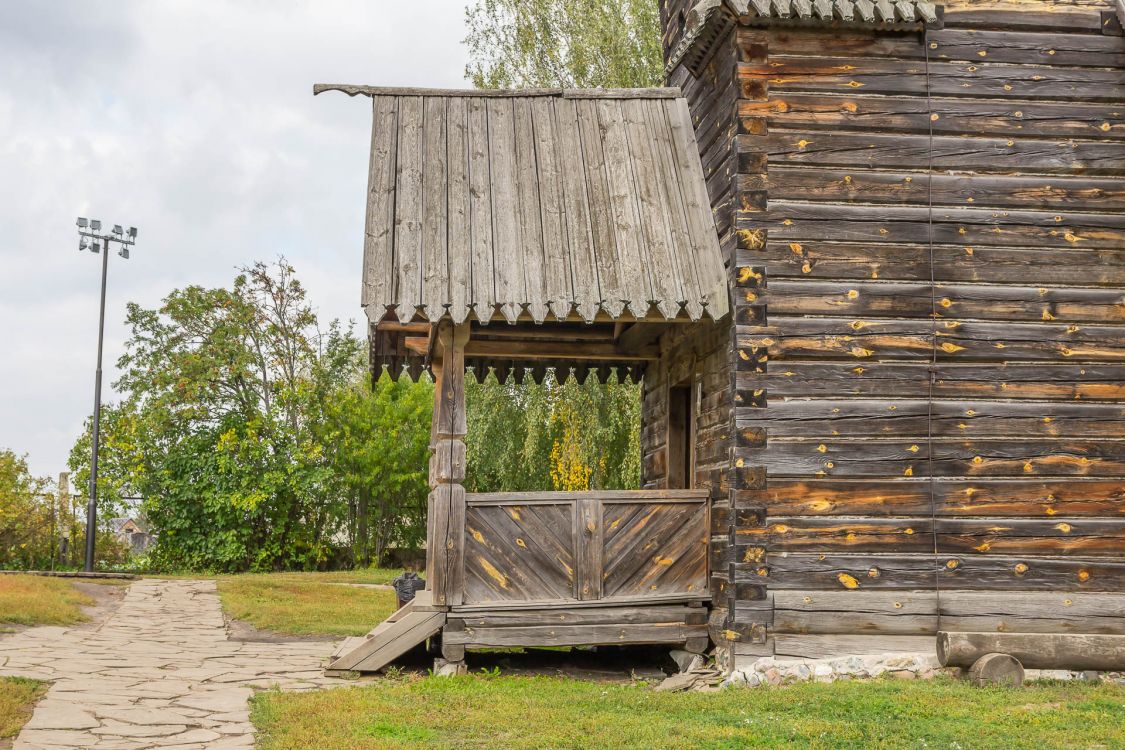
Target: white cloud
point(195, 122)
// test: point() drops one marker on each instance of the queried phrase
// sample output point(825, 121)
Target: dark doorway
point(681, 437)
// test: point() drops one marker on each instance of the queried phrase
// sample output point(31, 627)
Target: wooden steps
point(390, 639)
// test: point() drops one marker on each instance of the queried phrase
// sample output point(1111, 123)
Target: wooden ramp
point(392, 638)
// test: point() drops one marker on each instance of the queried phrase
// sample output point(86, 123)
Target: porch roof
point(544, 204)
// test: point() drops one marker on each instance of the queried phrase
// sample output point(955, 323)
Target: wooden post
point(446, 506)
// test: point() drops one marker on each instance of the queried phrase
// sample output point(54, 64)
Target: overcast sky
point(193, 120)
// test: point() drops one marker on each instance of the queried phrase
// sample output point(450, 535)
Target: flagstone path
point(159, 672)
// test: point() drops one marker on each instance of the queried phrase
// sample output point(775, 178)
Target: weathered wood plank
point(1056, 537)
point(947, 116)
point(556, 260)
point(796, 338)
point(1060, 381)
point(460, 243)
point(837, 645)
point(899, 151)
point(530, 212)
point(824, 457)
point(956, 44)
point(942, 496)
point(507, 228)
point(408, 207)
point(480, 211)
point(832, 418)
point(435, 230)
point(576, 635)
point(976, 79)
point(840, 570)
point(378, 247)
point(1035, 651)
point(589, 225)
point(578, 616)
point(946, 225)
point(919, 612)
point(839, 260)
point(944, 300)
point(636, 287)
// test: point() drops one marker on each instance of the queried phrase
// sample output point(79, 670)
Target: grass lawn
point(39, 600)
point(526, 713)
point(17, 698)
point(309, 603)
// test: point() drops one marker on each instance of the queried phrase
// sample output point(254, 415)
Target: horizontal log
point(1049, 17)
point(927, 611)
point(956, 44)
point(1041, 381)
point(956, 458)
point(1061, 192)
point(574, 635)
point(805, 222)
point(849, 570)
point(946, 300)
point(1035, 651)
point(517, 350)
point(954, 536)
point(945, 116)
point(917, 418)
point(942, 152)
point(860, 339)
point(967, 79)
point(952, 263)
point(583, 616)
point(837, 645)
point(942, 496)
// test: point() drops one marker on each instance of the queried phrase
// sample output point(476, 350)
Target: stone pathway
point(159, 672)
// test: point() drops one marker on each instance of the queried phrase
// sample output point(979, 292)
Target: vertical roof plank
point(480, 211)
point(556, 260)
point(530, 212)
point(408, 209)
point(505, 207)
point(667, 287)
point(605, 258)
point(378, 236)
point(634, 264)
point(587, 289)
point(459, 264)
point(435, 186)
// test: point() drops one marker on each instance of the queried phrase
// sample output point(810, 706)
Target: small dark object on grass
point(406, 585)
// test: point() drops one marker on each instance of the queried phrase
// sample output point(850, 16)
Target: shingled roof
point(709, 20)
point(540, 203)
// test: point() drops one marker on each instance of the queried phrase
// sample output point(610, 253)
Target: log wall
point(698, 354)
point(929, 328)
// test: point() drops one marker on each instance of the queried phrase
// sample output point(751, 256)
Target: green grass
point(530, 713)
point(40, 600)
point(17, 698)
point(309, 603)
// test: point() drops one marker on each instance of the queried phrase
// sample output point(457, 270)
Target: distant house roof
point(497, 204)
point(709, 19)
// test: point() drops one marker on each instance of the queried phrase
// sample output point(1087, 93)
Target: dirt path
point(159, 671)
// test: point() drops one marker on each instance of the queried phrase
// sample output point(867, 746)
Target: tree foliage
point(551, 436)
point(564, 43)
point(247, 430)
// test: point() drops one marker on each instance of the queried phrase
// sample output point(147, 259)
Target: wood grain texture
point(536, 205)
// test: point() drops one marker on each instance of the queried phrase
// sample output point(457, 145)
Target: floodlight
point(82, 223)
point(95, 247)
point(124, 253)
point(83, 244)
point(132, 233)
point(117, 229)
point(96, 225)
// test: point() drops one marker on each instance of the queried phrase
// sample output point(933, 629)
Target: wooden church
point(868, 260)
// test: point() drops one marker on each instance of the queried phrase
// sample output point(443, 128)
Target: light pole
point(92, 238)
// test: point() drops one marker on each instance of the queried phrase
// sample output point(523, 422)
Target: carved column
point(446, 505)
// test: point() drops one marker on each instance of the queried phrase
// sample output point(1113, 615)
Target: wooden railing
point(567, 547)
